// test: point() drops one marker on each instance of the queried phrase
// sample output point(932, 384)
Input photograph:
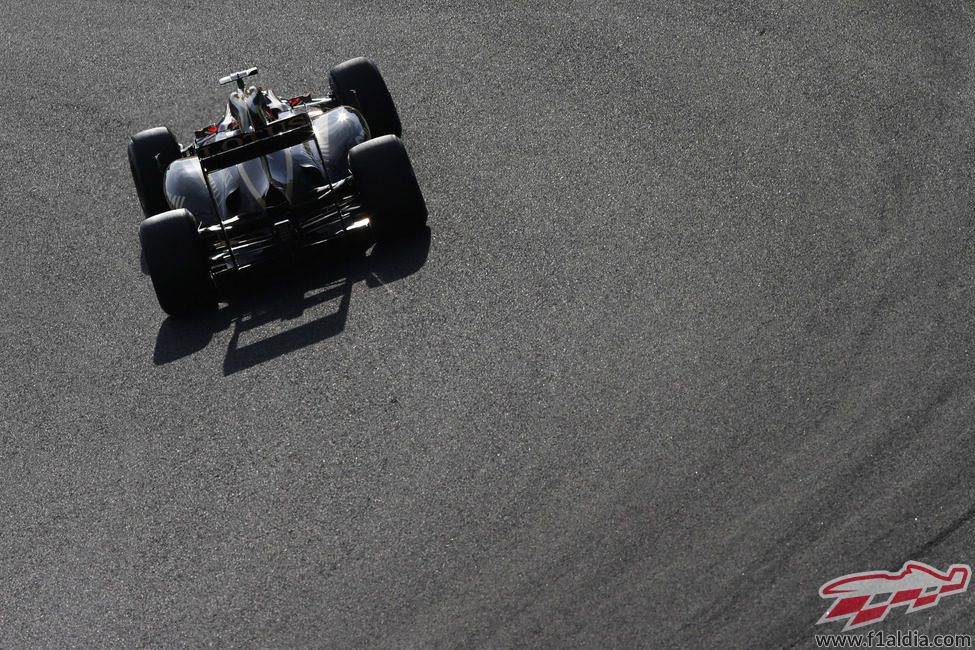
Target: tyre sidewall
point(388, 187)
point(176, 261)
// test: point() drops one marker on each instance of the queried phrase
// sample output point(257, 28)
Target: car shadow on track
point(282, 293)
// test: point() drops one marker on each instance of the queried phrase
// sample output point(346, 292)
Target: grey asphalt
point(690, 334)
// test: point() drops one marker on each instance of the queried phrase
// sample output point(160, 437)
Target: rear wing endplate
point(246, 146)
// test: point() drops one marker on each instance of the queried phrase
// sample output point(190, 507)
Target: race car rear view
point(274, 176)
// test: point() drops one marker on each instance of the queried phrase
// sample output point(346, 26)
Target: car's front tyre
point(358, 83)
point(177, 264)
point(150, 153)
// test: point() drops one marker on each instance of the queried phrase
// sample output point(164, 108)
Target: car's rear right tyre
point(358, 83)
point(177, 264)
point(387, 187)
point(150, 153)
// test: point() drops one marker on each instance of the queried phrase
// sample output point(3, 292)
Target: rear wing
point(246, 146)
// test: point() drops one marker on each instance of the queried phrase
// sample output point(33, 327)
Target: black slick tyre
point(387, 187)
point(358, 83)
point(177, 265)
point(150, 153)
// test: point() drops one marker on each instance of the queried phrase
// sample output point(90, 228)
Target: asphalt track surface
point(689, 336)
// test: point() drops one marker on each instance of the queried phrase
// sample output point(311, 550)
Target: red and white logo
point(865, 598)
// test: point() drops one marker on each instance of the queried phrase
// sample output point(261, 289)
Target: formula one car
point(273, 177)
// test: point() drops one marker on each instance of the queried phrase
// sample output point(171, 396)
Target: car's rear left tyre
point(387, 187)
point(358, 83)
point(150, 153)
point(177, 263)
